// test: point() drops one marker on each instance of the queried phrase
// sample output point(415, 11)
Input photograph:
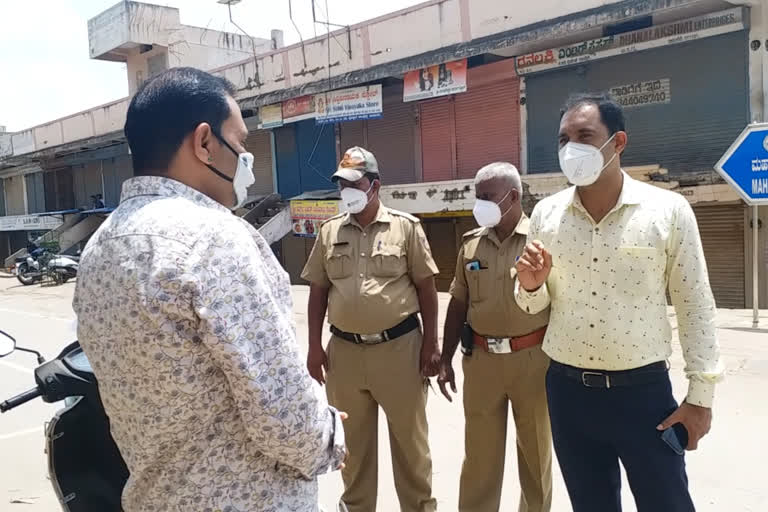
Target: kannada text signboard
point(350, 104)
point(307, 215)
point(707, 25)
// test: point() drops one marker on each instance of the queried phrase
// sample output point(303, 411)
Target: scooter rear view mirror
point(7, 344)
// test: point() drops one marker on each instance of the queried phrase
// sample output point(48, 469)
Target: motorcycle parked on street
point(40, 263)
point(84, 464)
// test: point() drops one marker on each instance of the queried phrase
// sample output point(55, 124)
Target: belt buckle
point(584, 376)
point(499, 345)
point(369, 339)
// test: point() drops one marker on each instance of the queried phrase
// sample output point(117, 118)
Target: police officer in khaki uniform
point(372, 270)
point(507, 364)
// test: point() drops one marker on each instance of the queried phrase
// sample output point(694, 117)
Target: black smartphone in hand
point(676, 437)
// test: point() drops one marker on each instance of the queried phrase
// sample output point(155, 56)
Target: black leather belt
point(404, 327)
point(605, 379)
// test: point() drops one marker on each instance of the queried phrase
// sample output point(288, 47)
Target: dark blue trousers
point(594, 428)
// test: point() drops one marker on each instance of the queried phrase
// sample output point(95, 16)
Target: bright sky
point(45, 72)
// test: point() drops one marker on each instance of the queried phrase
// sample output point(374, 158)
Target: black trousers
point(594, 428)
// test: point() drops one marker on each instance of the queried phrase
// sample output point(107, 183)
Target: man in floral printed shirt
point(186, 317)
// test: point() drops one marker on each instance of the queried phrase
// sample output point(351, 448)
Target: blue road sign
point(745, 164)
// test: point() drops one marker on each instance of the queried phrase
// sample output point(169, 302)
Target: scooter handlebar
point(20, 399)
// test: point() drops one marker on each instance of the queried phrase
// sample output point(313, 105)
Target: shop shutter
point(488, 118)
point(317, 155)
point(286, 153)
point(35, 192)
point(709, 103)
point(437, 145)
point(65, 193)
point(708, 108)
point(260, 145)
point(115, 171)
point(722, 235)
point(351, 134)
point(441, 235)
point(87, 182)
point(49, 181)
point(392, 139)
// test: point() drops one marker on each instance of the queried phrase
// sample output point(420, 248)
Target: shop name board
point(351, 104)
point(271, 116)
point(433, 81)
point(298, 109)
point(29, 223)
point(307, 215)
point(643, 94)
point(700, 27)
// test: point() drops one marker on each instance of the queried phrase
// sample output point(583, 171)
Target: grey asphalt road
point(727, 474)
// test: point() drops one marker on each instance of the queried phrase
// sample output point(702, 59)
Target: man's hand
point(446, 377)
point(343, 464)
point(533, 266)
point(696, 420)
point(430, 358)
point(317, 363)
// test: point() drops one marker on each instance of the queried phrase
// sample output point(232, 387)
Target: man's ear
point(621, 142)
point(202, 142)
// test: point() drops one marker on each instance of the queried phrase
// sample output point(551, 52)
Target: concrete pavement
point(727, 473)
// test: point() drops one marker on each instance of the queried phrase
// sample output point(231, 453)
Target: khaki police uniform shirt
point(370, 271)
point(489, 290)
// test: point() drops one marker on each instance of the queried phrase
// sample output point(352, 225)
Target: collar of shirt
point(382, 215)
point(521, 229)
point(631, 194)
point(166, 187)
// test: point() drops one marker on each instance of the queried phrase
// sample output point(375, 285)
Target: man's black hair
point(611, 112)
point(372, 176)
point(169, 107)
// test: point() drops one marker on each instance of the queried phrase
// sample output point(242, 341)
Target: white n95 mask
point(243, 179)
point(582, 164)
point(354, 200)
point(487, 213)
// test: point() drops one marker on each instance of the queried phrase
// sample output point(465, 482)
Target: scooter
point(33, 268)
point(84, 464)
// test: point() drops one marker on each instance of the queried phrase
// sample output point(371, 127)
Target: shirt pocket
point(339, 264)
point(479, 282)
point(388, 261)
point(641, 266)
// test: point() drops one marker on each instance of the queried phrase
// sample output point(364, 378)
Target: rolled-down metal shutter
point(722, 235)
point(115, 172)
point(441, 235)
point(351, 134)
point(707, 107)
point(436, 125)
point(35, 192)
point(488, 118)
point(259, 143)
point(392, 139)
point(287, 155)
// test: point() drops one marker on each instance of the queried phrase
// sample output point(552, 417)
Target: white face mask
point(487, 213)
point(244, 178)
point(243, 174)
point(355, 200)
point(582, 164)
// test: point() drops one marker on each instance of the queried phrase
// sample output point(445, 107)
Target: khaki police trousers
point(360, 379)
point(491, 382)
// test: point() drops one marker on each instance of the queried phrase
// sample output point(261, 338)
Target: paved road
point(727, 474)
